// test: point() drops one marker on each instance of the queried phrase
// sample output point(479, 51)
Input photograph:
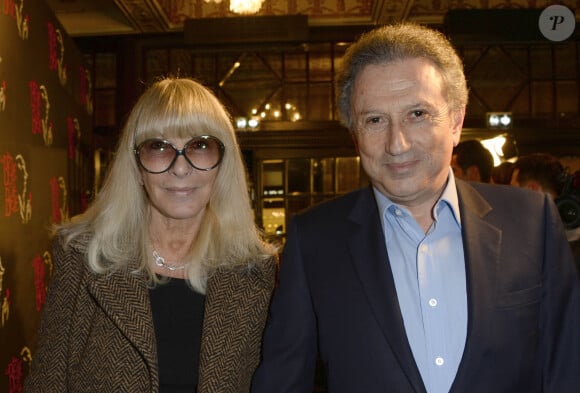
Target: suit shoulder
point(330, 215)
point(500, 193)
point(337, 204)
point(503, 201)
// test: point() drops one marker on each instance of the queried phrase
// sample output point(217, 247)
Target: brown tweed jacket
point(97, 334)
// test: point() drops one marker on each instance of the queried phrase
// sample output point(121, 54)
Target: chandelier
point(242, 6)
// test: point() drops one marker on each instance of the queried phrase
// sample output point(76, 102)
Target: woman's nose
point(181, 166)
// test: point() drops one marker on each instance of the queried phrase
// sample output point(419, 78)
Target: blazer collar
point(236, 301)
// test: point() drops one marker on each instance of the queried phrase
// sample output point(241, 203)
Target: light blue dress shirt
point(429, 274)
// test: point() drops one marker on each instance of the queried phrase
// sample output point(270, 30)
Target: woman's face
point(182, 192)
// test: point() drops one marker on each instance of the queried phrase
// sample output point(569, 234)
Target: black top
point(178, 319)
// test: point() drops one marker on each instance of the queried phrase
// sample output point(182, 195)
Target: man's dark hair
point(472, 152)
point(543, 168)
point(502, 174)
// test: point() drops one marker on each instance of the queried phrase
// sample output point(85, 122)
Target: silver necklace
point(160, 261)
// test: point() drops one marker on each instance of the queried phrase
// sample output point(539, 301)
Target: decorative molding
point(390, 11)
point(117, 17)
point(146, 16)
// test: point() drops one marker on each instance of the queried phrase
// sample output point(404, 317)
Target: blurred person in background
point(539, 172)
point(543, 172)
point(502, 174)
point(471, 161)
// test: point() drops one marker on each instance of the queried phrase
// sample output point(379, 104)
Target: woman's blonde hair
point(117, 222)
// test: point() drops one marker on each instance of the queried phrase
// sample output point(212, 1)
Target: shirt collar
point(449, 196)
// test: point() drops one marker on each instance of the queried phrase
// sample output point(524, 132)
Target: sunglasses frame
point(180, 152)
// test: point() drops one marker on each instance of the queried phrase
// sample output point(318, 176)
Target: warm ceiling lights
point(242, 6)
point(245, 6)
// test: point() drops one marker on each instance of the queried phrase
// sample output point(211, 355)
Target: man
point(502, 173)
point(542, 172)
point(472, 161)
point(420, 283)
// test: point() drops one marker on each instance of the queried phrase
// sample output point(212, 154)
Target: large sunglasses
point(204, 153)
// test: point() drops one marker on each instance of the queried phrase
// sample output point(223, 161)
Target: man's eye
point(418, 114)
point(374, 122)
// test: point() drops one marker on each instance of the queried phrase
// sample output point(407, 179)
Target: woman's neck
point(170, 243)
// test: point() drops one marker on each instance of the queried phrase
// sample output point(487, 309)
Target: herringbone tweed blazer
point(97, 333)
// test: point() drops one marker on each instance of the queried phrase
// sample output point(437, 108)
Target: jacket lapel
point(124, 298)
point(236, 307)
point(370, 260)
point(481, 242)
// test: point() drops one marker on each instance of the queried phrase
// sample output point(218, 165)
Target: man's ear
point(457, 118)
point(534, 185)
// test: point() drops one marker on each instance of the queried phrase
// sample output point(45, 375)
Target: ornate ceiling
point(111, 17)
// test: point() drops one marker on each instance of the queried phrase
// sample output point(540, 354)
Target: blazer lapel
point(370, 260)
point(236, 307)
point(124, 298)
point(481, 242)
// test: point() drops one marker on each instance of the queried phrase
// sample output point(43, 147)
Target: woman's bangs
point(181, 116)
point(173, 124)
point(189, 125)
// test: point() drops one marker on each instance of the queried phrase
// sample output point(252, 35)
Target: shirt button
point(439, 361)
point(424, 247)
point(398, 212)
point(433, 302)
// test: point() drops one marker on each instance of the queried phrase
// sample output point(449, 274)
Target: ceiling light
point(247, 124)
point(245, 6)
point(242, 6)
point(499, 119)
point(241, 123)
point(288, 111)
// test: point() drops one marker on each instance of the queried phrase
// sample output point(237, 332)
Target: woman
point(163, 284)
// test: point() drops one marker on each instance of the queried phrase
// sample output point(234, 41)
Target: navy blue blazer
point(336, 296)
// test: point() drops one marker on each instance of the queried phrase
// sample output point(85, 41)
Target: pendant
point(160, 261)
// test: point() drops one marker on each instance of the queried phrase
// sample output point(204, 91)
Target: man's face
point(470, 174)
point(405, 131)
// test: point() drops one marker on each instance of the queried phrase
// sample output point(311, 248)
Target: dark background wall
point(45, 166)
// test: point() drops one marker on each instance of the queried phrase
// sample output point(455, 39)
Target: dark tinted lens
point(156, 155)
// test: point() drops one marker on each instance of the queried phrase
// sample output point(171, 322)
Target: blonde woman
point(163, 284)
